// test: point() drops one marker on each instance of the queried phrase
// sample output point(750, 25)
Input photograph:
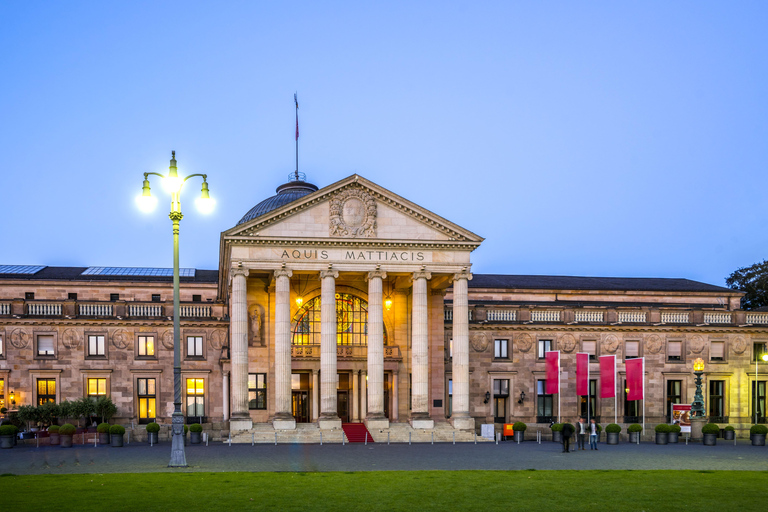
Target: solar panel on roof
point(137, 271)
point(21, 269)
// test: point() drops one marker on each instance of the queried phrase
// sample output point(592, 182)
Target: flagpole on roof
point(296, 101)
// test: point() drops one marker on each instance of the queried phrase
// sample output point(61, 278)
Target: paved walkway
point(139, 457)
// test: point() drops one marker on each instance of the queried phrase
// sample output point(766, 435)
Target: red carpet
point(356, 432)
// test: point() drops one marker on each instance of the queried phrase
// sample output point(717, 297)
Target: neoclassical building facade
point(351, 304)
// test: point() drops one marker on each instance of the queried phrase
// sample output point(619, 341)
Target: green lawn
point(392, 490)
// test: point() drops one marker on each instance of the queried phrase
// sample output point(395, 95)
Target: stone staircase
point(357, 433)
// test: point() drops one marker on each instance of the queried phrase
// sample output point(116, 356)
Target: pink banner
point(607, 376)
point(582, 374)
point(553, 372)
point(635, 380)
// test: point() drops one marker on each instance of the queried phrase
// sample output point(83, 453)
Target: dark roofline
point(75, 274)
point(621, 284)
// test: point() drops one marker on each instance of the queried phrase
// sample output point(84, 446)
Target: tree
point(753, 281)
point(105, 408)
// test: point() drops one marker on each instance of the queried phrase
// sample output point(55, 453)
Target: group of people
point(581, 431)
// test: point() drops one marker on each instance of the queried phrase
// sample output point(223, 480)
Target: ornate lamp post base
point(178, 456)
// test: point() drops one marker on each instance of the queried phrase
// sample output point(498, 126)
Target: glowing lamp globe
point(698, 365)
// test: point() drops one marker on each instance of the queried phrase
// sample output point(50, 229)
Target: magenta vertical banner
point(635, 379)
point(553, 371)
point(607, 376)
point(582, 374)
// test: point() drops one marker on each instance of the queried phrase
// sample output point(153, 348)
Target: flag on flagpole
point(635, 380)
point(296, 100)
point(582, 374)
point(552, 361)
point(607, 376)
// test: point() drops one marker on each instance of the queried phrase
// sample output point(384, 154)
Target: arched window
point(351, 322)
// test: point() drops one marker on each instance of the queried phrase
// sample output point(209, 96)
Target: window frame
point(2, 346)
point(138, 343)
point(668, 398)
point(51, 397)
point(195, 334)
point(200, 398)
point(55, 337)
point(721, 398)
point(724, 359)
point(257, 390)
point(501, 343)
point(593, 358)
point(146, 396)
point(96, 334)
point(97, 395)
point(754, 388)
point(542, 354)
point(756, 357)
point(682, 351)
point(542, 399)
point(630, 405)
point(639, 349)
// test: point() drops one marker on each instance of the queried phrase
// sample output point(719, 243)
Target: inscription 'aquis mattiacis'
point(321, 254)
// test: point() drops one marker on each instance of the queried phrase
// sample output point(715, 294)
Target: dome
point(286, 193)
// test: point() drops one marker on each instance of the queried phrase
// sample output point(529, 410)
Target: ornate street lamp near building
point(173, 183)
point(698, 413)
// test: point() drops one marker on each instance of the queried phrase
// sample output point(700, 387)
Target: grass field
point(392, 491)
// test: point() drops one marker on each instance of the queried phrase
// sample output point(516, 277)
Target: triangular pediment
point(353, 210)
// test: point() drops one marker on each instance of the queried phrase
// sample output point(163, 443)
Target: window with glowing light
point(97, 388)
point(195, 398)
point(147, 395)
point(351, 322)
point(146, 346)
point(46, 391)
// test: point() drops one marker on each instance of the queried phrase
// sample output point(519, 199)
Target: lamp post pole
point(173, 183)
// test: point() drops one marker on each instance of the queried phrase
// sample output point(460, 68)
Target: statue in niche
point(256, 319)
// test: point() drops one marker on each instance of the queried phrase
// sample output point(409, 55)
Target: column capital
point(329, 273)
point(376, 273)
point(422, 275)
point(237, 271)
point(462, 275)
point(283, 272)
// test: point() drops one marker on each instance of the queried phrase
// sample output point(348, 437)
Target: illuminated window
point(195, 399)
point(147, 395)
point(146, 346)
point(351, 322)
point(97, 388)
point(96, 347)
point(194, 346)
point(257, 390)
point(2, 393)
point(46, 391)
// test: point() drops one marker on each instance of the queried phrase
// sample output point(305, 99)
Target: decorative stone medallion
point(739, 345)
point(167, 339)
point(353, 214)
point(653, 344)
point(20, 338)
point(697, 344)
point(611, 344)
point(567, 343)
point(216, 340)
point(524, 342)
point(70, 339)
point(120, 339)
point(479, 342)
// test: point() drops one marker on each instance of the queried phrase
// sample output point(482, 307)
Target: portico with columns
point(336, 301)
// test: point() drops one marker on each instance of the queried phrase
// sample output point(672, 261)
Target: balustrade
point(588, 316)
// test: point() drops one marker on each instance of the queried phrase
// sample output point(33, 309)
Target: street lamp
point(173, 183)
point(697, 407)
point(764, 357)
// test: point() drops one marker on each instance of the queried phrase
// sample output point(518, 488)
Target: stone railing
point(502, 315)
point(632, 317)
point(757, 318)
point(343, 351)
point(196, 311)
point(674, 317)
point(5, 308)
point(145, 310)
point(449, 314)
point(717, 318)
point(43, 309)
point(95, 309)
point(392, 352)
point(588, 316)
point(545, 316)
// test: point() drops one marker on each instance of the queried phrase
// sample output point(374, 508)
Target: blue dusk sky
point(578, 138)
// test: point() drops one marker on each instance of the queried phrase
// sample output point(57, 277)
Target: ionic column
point(329, 378)
point(315, 394)
point(376, 351)
point(225, 394)
point(240, 420)
point(355, 393)
point(283, 418)
point(395, 400)
point(420, 353)
point(460, 371)
point(363, 394)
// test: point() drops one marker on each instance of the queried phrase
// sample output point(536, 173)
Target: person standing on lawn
point(567, 433)
point(581, 430)
point(593, 434)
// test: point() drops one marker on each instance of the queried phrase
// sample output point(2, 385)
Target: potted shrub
point(519, 428)
point(152, 430)
point(8, 435)
point(195, 433)
point(116, 433)
point(66, 431)
point(103, 430)
point(710, 431)
point(674, 433)
point(634, 432)
point(729, 433)
point(612, 432)
point(53, 432)
point(757, 434)
point(662, 433)
point(557, 432)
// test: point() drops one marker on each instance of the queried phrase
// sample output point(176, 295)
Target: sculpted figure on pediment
point(353, 214)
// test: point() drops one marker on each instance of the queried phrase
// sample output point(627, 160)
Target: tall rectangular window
point(674, 350)
point(450, 397)
point(46, 391)
point(544, 347)
point(674, 396)
point(592, 400)
point(2, 348)
point(45, 345)
point(194, 346)
point(147, 394)
point(257, 391)
point(758, 349)
point(757, 402)
point(96, 347)
point(500, 396)
point(631, 408)
point(631, 349)
point(544, 409)
point(2, 393)
point(195, 398)
point(717, 351)
point(97, 388)
point(146, 346)
point(717, 402)
point(590, 347)
point(500, 349)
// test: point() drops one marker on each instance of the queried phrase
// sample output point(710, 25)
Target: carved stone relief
point(567, 343)
point(255, 324)
point(217, 340)
point(20, 338)
point(353, 214)
point(524, 342)
point(167, 339)
point(739, 345)
point(479, 342)
point(653, 344)
point(697, 344)
point(121, 338)
point(71, 339)
point(611, 344)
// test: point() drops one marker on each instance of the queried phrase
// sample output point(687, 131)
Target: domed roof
point(286, 193)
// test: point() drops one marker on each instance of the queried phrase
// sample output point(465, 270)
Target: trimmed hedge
point(729, 428)
point(613, 428)
point(519, 426)
point(67, 429)
point(710, 428)
point(758, 429)
point(557, 427)
point(53, 429)
point(662, 428)
point(8, 430)
point(103, 428)
point(195, 427)
point(635, 427)
point(153, 428)
point(117, 429)
point(675, 428)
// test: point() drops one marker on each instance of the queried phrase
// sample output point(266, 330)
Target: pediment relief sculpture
point(353, 214)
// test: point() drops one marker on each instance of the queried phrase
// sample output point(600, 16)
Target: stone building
point(351, 304)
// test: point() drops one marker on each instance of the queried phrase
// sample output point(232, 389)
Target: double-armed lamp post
point(173, 184)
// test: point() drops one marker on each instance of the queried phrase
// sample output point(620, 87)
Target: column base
point(463, 423)
point(379, 422)
point(329, 422)
point(240, 424)
point(288, 423)
point(696, 424)
point(422, 420)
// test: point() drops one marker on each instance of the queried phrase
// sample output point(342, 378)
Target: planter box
point(195, 437)
point(662, 437)
point(757, 439)
point(729, 435)
point(557, 437)
point(117, 440)
point(634, 437)
point(710, 439)
point(673, 437)
point(152, 437)
point(7, 441)
point(55, 439)
point(66, 441)
point(103, 437)
point(519, 436)
point(612, 437)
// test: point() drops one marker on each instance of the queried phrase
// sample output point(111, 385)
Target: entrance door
point(342, 405)
point(500, 406)
point(300, 406)
point(386, 395)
